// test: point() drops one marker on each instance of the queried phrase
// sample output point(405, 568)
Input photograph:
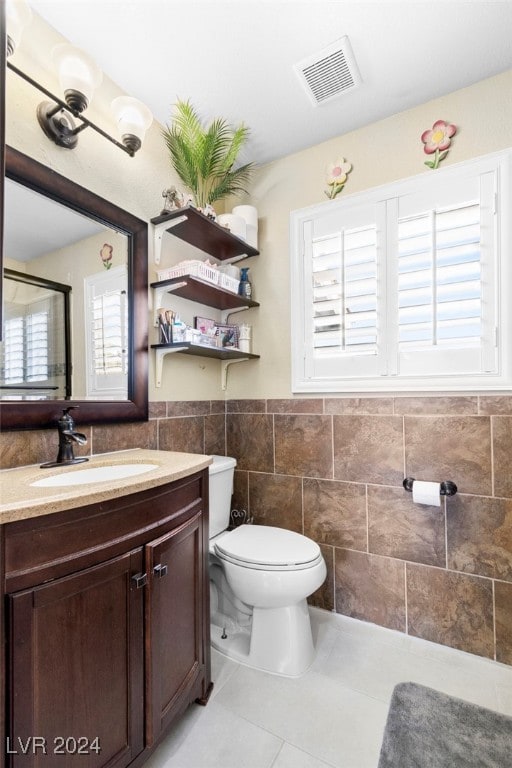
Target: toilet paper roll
point(248, 213)
point(426, 493)
point(236, 224)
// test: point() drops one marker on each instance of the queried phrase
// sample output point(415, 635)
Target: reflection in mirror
point(61, 232)
point(34, 353)
point(63, 245)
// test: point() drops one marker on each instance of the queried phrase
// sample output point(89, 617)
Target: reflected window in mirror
point(35, 351)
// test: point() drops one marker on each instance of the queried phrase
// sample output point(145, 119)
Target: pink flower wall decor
point(336, 177)
point(437, 142)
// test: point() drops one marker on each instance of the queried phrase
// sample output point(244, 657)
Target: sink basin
point(94, 475)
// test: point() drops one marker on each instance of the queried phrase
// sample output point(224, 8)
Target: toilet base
point(279, 640)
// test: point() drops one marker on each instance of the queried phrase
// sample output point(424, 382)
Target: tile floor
point(335, 714)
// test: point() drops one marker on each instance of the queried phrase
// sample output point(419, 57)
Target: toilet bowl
point(260, 577)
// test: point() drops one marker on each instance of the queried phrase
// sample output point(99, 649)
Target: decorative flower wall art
point(437, 141)
point(336, 177)
point(106, 253)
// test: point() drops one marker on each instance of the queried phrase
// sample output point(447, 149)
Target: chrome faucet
point(67, 436)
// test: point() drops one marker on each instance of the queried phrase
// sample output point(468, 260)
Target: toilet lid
point(267, 546)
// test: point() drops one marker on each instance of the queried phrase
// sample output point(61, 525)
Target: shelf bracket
point(157, 298)
point(225, 314)
point(158, 233)
point(224, 370)
point(159, 362)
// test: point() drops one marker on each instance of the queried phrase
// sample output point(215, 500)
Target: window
point(107, 333)
point(406, 287)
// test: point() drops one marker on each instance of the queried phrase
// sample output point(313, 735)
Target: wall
point(135, 184)
point(333, 467)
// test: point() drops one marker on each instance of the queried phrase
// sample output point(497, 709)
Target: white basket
point(229, 283)
point(193, 268)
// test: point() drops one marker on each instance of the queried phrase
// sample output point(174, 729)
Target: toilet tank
point(222, 472)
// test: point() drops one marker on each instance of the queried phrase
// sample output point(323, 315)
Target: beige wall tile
point(295, 405)
point(399, 528)
point(141, 434)
point(456, 448)
point(498, 404)
point(181, 434)
point(276, 500)
point(370, 588)
point(335, 513)
point(303, 445)
point(503, 598)
point(502, 455)
point(480, 536)
point(368, 449)
point(358, 406)
point(250, 440)
point(450, 608)
point(436, 405)
point(245, 406)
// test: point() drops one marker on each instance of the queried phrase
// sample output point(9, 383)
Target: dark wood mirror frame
point(41, 414)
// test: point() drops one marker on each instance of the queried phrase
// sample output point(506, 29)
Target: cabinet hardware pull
point(159, 571)
point(140, 580)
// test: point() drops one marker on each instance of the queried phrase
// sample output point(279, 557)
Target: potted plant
point(204, 157)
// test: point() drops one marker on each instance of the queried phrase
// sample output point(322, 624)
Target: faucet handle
point(66, 421)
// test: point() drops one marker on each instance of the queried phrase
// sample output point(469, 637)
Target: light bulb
point(18, 14)
point(79, 75)
point(133, 119)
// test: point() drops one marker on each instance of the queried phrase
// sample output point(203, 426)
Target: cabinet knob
point(140, 580)
point(159, 571)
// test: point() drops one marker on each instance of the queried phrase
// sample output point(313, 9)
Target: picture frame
point(204, 324)
point(229, 336)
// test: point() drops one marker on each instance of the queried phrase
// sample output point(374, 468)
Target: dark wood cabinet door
point(77, 669)
point(174, 643)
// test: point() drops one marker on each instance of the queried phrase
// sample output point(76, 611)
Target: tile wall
point(332, 468)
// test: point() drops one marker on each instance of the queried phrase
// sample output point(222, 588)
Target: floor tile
point(291, 757)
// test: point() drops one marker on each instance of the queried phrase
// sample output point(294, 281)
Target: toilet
point(260, 577)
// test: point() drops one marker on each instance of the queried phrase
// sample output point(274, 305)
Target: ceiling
point(235, 58)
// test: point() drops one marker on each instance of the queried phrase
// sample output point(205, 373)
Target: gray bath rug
point(428, 729)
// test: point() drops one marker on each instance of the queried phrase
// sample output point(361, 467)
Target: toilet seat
point(267, 548)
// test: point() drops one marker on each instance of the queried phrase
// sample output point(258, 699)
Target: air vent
point(329, 73)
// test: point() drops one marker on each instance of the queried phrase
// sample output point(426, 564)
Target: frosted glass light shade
point(133, 119)
point(79, 74)
point(17, 15)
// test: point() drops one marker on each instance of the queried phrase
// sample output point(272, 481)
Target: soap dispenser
point(245, 287)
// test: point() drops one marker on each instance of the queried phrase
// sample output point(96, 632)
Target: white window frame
point(382, 374)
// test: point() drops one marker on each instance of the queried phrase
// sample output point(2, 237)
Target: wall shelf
point(195, 289)
point(195, 228)
point(227, 356)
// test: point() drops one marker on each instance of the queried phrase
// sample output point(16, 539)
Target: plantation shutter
point(107, 333)
point(446, 279)
point(342, 273)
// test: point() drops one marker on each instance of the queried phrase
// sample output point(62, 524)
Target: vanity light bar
point(59, 132)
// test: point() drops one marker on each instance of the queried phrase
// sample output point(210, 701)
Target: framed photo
point(204, 324)
point(228, 335)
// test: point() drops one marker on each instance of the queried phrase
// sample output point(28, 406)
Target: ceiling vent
point(329, 73)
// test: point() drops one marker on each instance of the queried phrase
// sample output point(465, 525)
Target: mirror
point(107, 258)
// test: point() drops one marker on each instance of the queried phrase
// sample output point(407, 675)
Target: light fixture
point(133, 119)
point(18, 14)
point(79, 76)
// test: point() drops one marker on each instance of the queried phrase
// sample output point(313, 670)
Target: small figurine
point(173, 200)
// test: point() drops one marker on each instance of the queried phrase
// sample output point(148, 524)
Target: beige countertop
point(19, 499)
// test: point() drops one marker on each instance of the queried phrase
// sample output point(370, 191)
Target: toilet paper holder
point(448, 488)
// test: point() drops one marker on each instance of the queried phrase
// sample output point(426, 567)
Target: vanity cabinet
point(107, 626)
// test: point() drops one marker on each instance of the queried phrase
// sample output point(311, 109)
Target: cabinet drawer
point(47, 547)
